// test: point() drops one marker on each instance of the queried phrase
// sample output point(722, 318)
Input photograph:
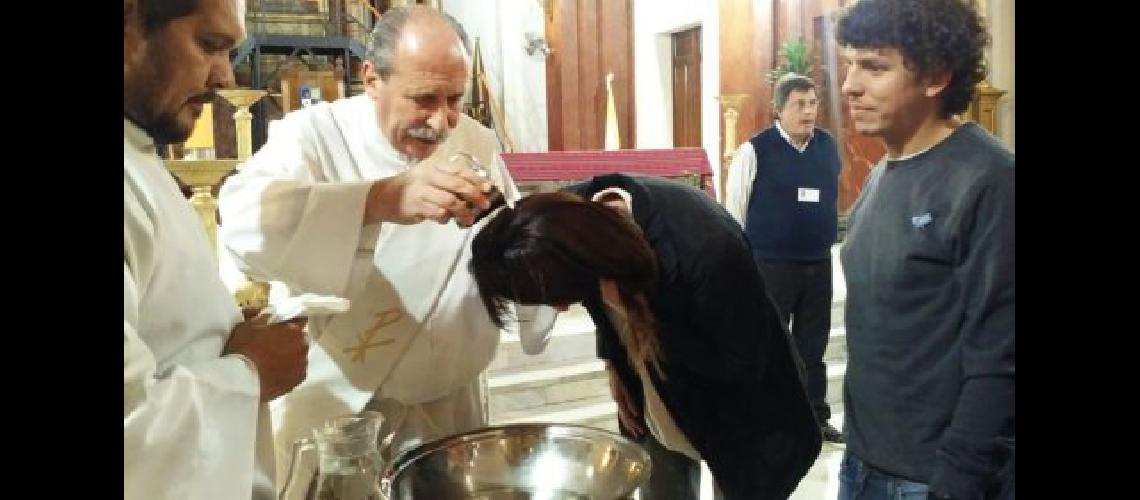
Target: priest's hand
point(279, 351)
point(433, 189)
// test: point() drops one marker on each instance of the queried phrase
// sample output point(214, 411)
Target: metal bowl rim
point(407, 458)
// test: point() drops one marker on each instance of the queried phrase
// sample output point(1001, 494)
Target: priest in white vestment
point(357, 198)
point(196, 376)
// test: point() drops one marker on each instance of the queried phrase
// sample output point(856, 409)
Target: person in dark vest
point(783, 188)
point(697, 354)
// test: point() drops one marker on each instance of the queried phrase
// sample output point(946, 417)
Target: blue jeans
point(859, 481)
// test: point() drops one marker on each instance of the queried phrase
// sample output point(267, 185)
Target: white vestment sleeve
point(286, 218)
point(189, 433)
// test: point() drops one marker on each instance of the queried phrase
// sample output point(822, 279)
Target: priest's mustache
point(426, 134)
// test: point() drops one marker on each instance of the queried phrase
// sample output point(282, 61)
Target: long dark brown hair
point(554, 249)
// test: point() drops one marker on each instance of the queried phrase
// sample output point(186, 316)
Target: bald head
point(415, 30)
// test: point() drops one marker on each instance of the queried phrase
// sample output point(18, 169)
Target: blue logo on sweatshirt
point(920, 221)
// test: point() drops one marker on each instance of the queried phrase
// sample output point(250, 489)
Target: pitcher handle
point(388, 469)
point(299, 447)
point(386, 488)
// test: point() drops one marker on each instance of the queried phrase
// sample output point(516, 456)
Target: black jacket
point(731, 378)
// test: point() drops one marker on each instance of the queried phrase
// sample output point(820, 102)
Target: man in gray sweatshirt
point(929, 263)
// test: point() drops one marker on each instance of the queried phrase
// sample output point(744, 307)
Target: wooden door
point(687, 88)
point(589, 39)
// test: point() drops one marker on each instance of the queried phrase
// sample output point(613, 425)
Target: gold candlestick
point(242, 99)
point(730, 104)
point(202, 175)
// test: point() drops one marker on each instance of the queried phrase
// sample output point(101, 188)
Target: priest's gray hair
point(387, 32)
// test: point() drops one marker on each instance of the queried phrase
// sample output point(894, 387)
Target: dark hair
point(157, 13)
point(386, 34)
point(784, 87)
point(932, 35)
point(555, 248)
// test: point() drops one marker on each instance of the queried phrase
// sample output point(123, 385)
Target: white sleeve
point(282, 219)
point(188, 433)
point(738, 189)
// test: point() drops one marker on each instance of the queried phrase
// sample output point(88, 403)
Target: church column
point(731, 106)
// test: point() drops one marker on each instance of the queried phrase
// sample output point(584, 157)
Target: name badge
point(810, 195)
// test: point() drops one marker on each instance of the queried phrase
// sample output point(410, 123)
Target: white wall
point(517, 80)
point(653, 22)
point(1000, 18)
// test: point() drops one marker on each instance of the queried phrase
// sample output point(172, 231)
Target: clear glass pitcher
point(349, 465)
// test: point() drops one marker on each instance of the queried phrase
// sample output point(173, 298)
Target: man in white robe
point(340, 201)
point(196, 377)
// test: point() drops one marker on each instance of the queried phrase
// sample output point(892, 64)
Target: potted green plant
point(796, 59)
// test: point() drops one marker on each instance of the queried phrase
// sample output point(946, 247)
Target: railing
point(322, 18)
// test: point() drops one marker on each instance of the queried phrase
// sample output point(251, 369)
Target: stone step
point(535, 389)
point(566, 383)
point(574, 340)
point(561, 349)
point(835, 375)
point(837, 307)
point(580, 344)
point(600, 413)
point(836, 345)
point(579, 393)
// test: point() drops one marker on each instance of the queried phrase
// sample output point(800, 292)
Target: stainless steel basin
point(522, 462)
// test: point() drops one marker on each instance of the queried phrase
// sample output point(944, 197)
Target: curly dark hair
point(932, 35)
